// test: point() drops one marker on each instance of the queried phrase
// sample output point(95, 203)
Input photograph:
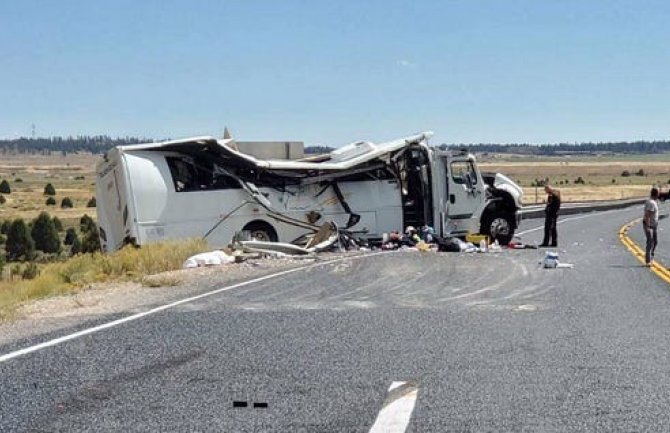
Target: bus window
point(189, 174)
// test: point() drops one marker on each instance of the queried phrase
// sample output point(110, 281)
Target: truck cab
point(447, 191)
point(470, 201)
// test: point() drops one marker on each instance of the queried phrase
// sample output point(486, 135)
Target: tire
point(499, 226)
point(261, 231)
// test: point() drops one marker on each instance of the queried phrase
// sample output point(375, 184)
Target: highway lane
point(492, 342)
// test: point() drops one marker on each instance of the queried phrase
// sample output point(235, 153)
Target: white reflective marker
point(397, 409)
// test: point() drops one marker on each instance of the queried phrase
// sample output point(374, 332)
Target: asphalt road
point(492, 342)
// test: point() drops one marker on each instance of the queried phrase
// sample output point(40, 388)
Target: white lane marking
point(397, 409)
point(565, 220)
point(84, 332)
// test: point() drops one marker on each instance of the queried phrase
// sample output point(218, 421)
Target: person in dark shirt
point(551, 215)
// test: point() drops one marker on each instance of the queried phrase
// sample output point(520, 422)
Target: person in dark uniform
point(551, 215)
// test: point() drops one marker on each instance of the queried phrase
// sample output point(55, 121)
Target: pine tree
point(51, 201)
point(66, 203)
point(45, 235)
point(91, 202)
point(4, 227)
point(90, 242)
point(19, 244)
point(70, 236)
point(49, 189)
point(58, 224)
point(4, 187)
point(76, 247)
point(86, 223)
point(90, 237)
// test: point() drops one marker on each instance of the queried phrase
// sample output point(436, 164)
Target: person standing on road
point(650, 225)
point(551, 215)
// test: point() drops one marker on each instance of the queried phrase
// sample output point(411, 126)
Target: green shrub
point(30, 271)
point(45, 235)
point(49, 189)
point(58, 224)
point(4, 187)
point(66, 203)
point(19, 244)
point(76, 246)
point(70, 236)
point(51, 201)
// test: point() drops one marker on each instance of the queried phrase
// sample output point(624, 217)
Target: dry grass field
point(73, 275)
point(602, 177)
point(72, 176)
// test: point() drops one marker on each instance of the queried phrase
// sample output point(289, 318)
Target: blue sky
point(330, 72)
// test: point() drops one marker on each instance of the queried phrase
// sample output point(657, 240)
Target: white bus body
point(201, 187)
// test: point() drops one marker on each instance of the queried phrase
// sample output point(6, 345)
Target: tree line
point(45, 239)
point(625, 147)
point(98, 144)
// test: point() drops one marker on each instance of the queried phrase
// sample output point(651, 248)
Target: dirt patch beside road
point(100, 300)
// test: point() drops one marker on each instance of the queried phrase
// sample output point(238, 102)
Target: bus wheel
point(261, 231)
point(500, 226)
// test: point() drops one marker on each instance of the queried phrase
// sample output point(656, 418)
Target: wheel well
point(502, 203)
point(258, 225)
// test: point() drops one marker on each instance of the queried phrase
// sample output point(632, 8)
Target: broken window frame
point(470, 170)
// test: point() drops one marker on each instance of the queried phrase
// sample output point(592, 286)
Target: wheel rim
point(260, 235)
point(499, 227)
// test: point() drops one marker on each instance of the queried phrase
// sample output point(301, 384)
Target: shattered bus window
point(190, 174)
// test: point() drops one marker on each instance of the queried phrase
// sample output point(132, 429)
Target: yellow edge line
point(656, 268)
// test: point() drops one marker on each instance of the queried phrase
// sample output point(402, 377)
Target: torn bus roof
point(346, 157)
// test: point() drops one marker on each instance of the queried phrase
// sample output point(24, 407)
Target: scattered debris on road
point(211, 258)
point(551, 261)
point(331, 238)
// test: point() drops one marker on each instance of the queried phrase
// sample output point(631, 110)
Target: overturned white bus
point(204, 187)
